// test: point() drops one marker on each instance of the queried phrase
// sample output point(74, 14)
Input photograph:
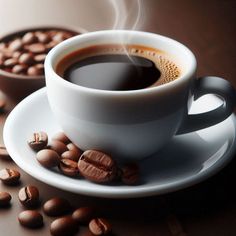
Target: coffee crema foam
point(168, 69)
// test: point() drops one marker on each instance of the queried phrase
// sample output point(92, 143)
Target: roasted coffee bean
point(16, 55)
point(97, 166)
point(4, 153)
point(10, 62)
point(48, 158)
point(51, 33)
point(9, 176)
point(19, 69)
point(40, 66)
point(60, 136)
point(30, 219)
point(29, 38)
point(64, 226)
point(40, 57)
point(99, 226)
point(5, 199)
point(130, 174)
point(29, 196)
point(38, 140)
point(72, 155)
point(56, 207)
point(15, 45)
point(26, 58)
point(51, 45)
point(59, 37)
point(34, 71)
point(83, 215)
point(69, 167)
point(43, 37)
point(8, 54)
point(58, 146)
point(73, 147)
point(36, 48)
point(67, 34)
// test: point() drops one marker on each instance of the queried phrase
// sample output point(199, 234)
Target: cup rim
point(83, 37)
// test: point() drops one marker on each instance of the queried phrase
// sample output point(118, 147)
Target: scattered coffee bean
point(130, 174)
point(64, 226)
point(72, 155)
point(38, 140)
point(29, 196)
point(97, 166)
point(9, 176)
point(60, 136)
point(30, 219)
point(56, 207)
point(83, 215)
point(99, 226)
point(4, 153)
point(5, 199)
point(69, 167)
point(15, 45)
point(48, 158)
point(26, 58)
point(57, 146)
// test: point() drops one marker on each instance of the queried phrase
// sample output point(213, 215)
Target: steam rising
point(128, 14)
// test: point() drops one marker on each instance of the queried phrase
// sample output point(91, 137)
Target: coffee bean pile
point(61, 153)
point(25, 54)
point(71, 161)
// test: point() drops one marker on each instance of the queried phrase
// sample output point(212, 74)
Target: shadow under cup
point(129, 125)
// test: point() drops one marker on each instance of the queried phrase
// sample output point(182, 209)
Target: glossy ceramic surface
point(184, 161)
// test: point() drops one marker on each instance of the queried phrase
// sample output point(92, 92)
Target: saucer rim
point(128, 192)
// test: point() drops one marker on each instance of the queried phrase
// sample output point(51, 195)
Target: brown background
point(208, 28)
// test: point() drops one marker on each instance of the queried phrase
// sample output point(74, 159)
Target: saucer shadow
point(183, 156)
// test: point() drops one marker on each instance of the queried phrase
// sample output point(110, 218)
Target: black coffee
point(113, 67)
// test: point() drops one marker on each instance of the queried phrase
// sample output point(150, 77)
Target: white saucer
point(186, 160)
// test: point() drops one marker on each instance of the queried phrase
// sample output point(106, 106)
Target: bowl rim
point(22, 30)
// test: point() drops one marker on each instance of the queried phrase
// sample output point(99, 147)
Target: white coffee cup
point(136, 123)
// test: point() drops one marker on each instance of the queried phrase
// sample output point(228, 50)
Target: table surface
point(208, 28)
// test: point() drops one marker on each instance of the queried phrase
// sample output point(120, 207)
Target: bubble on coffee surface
point(167, 69)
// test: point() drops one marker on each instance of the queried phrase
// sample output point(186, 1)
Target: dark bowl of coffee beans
point(22, 55)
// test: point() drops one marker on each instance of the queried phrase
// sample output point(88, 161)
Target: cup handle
point(210, 85)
